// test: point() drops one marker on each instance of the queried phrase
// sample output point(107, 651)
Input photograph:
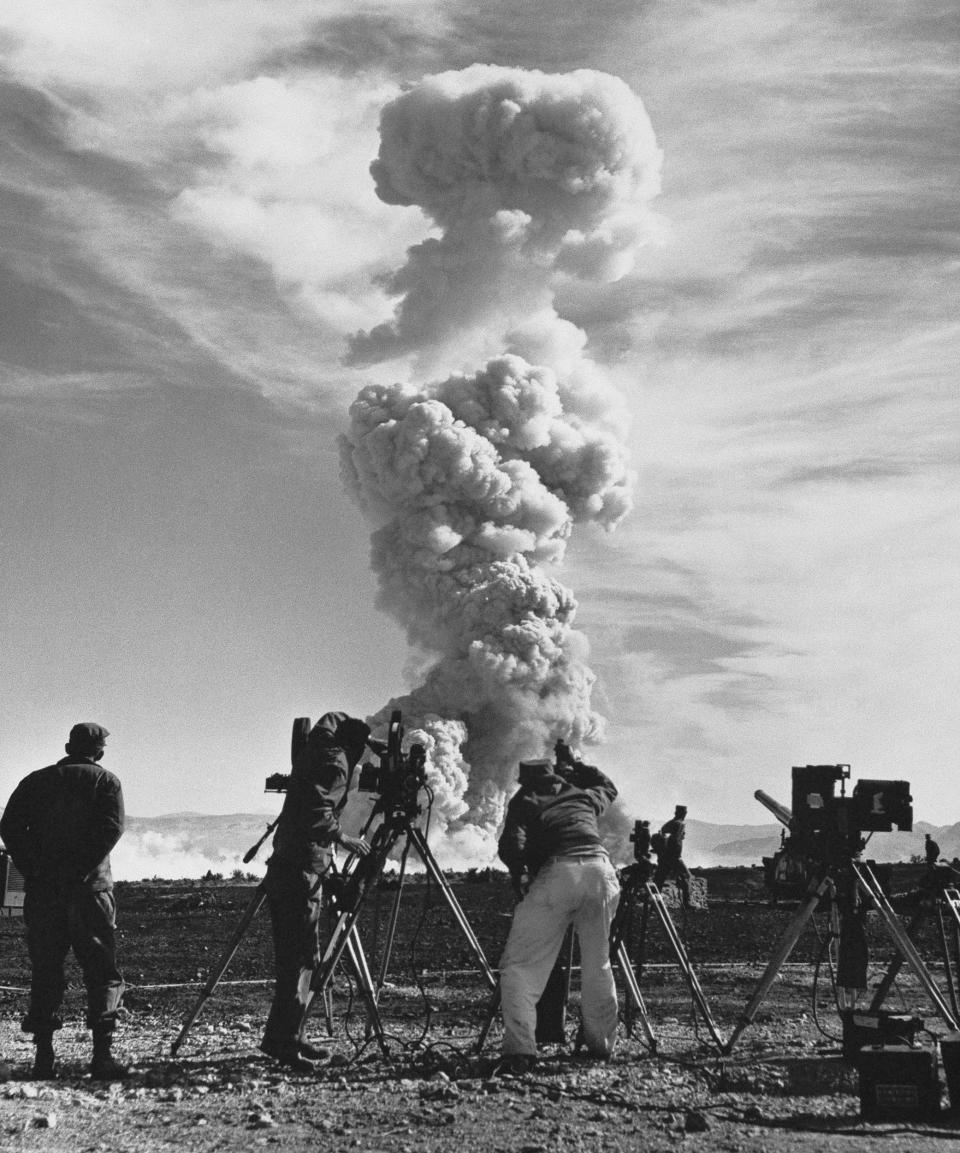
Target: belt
point(575, 857)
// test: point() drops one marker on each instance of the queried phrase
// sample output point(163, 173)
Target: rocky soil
point(784, 1087)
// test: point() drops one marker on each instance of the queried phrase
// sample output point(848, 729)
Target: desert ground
point(784, 1086)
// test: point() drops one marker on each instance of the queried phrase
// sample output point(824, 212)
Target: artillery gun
point(785, 874)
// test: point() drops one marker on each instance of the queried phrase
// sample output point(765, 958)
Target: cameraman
point(308, 829)
point(551, 835)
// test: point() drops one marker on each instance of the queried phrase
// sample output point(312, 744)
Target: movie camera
point(641, 839)
point(828, 826)
point(566, 762)
point(396, 778)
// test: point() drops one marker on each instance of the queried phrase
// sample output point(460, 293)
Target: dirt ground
point(785, 1086)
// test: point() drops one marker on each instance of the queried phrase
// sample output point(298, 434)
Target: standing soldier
point(551, 835)
point(308, 831)
point(670, 862)
point(59, 825)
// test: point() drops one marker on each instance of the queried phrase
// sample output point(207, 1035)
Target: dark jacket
point(673, 832)
point(319, 783)
point(61, 823)
point(553, 816)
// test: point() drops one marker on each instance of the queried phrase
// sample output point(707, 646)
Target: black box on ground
point(898, 1083)
point(880, 1028)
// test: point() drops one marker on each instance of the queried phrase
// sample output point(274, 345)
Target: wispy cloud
point(188, 208)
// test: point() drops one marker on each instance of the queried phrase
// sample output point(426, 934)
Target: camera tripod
point(398, 783)
point(355, 957)
point(939, 899)
point(361, 872)
point(637, 886)
point(840, 883)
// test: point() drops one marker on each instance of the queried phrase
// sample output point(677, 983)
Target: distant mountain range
point(190, 844)
point(222, 840)
point(711, 845)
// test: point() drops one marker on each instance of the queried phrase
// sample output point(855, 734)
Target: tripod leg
point(683, 960)
point(951, 898)
point(781, 952)
point(951, 901)
point(426, 855)
point(894, 967)
point(326, 996)
point(366, 870)
point(868, 884)
point(620, 933)
point(256, 901)
point(636, 997)
point(394, 918)
point(493, 1008)
point(619, 928)
point(358, 963)
point(644, 929)
point(947, 962)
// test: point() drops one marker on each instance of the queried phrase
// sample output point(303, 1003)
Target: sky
point(201, 274)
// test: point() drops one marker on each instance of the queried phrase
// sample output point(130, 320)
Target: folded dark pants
point(294, 897)
point(84, 920)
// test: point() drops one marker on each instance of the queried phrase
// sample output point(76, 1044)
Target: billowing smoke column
point(475, 480)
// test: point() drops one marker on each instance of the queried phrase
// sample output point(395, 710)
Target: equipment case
point(898, 1083)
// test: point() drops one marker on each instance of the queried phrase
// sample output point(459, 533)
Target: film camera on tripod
point(827, 832)
point(398, 780)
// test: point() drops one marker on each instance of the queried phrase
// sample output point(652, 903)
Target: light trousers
point(583, 892)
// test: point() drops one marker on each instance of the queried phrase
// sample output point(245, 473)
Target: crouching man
point(551, 835)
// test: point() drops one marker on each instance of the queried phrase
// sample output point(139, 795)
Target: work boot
point(513, 1065)
point(288, 1055)
point(43, 1060)
point(313, 1052)
point(103, 1067)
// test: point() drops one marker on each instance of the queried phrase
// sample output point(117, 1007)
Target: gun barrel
point(781, 812)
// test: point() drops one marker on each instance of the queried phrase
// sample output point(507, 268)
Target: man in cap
point(670, 862)
point(308, 830)
point(59, 826)
point(551, 836)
